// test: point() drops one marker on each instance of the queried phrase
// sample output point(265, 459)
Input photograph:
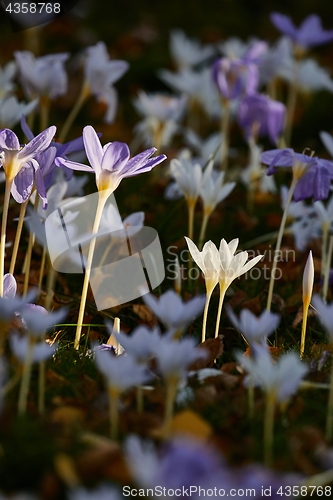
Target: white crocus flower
point(254, 328)
point(187, 52)
point(7, 74)
point(11, 111)
point(175, 314)
point(161, 114)
point(212, 192)
point(311, 76)
point(208, 261)
point(231, 267)
point(325, 314)
point(140, 344)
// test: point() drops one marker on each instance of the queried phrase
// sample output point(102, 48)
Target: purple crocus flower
point(111, 163)
point(313, 174)
point(258, 114)
point(235, 77)
point(13, 157)
point(309, 34)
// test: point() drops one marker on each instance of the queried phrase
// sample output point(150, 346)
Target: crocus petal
point(8, 140)
point(38, 144)
point(63, 162)
point(40, 186)
point(23, 183)
point(26, 129)
point(93, 147)
point(9, 286)
point(283, 24)
point(115, 157)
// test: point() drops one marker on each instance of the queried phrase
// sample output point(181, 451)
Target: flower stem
point(269, 429)
point(28, 254)
point(84, 94)
point(41, 270)
point(278, 243)
point(191, 206)
point(51, 275)
point(218, 319)
point(8, 187)
point(23, 209)
point(99, 211)
point(327, 268)
point(203, 228)
point(114, 413)
point(329, 420)
point(304, 322)
point(25, 381)
point(171, 391)
point(204, 322)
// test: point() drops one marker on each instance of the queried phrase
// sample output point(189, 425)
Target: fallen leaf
point(214, 347)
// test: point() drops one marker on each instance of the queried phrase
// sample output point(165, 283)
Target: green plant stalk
point(269, 428)
point(23, 209)
point(113, 395)
point(101, 202)
point(26, 375)
point(279, 241)
point(9, 183)
point(219, 311)
point(327, 268)
point(329, 418)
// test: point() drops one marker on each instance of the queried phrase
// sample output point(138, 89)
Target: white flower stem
point(327, 268)
point(225, 125)
point(84, 94)
point(203, 228)
point(23, 209)
point(28, 254)
point(8, 187)
point(329, 419)
point(171, 391)
point(113, 394)
point(26, 375)
point(304, 323)
point(101, 202)
point(278, 243)
point(204, 322)
point(219, 311)
point(269, 429)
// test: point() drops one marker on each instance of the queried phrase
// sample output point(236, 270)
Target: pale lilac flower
point(14, 157)
point(313, 174)
point(9, 286)
point(100, 75)
point(208, 261)
point(121, 372)
point(11, 111)
point(7, 74)
point(281, 378)
point(210, 147)
point(324, 214)
point(311, 77)
point(161, 115)
point(175, 314)
point(140, 344)
point(10, 305)
point(111, 222)
point(42, 76)
point(111, 163)
point(309, 34)
point(259, 115)
point(188, 52)
point(197, 85)
point(235, 78)
point(37, 320)
point(252, 51)
point(175, 357)
point(41, 351)
point(188, 176)
point(327, 140)
point(275, 60)
point(325, 314)
point(255, 329)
